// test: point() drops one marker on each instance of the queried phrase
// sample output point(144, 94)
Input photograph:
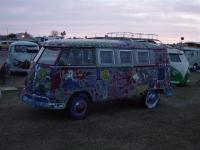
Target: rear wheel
point(151, 99)
point(78, 106)
point(195, 66)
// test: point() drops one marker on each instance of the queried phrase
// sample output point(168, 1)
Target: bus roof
point(23, 43)
point(192, 42)
point(174, 51)
point(101, 43)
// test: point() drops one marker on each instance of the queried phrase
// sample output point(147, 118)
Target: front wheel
point(78, 106)
point(151, 99)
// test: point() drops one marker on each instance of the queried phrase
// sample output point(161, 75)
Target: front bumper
point(19, 70)
point(180, 82)
point(40, 102)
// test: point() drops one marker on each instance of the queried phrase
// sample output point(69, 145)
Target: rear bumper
point(39, 101)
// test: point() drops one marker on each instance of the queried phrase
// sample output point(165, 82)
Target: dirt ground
point(17, 80)
point(122, 125)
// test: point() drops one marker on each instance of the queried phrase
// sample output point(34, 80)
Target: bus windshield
point(26, 49)
point(49, 56)
point(174, 57)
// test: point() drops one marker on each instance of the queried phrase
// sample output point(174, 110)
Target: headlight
point(16, 62)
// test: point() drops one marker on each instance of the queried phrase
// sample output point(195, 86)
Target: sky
point(170, 19)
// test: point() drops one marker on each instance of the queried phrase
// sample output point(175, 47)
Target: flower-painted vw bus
point(20, 55)
point(72, 74)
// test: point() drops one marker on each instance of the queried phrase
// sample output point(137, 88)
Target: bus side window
point(64, 58)
point(192, 54)
point(67, 58)
point(125, 57)
point(71, 57)
point(106, 57)
point(142, 57)
point(161, 58)
point(88, 57)
point(77, 57)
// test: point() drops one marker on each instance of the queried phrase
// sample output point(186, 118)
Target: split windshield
point(175, 57)
point(26, 49)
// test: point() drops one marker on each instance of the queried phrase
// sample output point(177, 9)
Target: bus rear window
point(49, 57)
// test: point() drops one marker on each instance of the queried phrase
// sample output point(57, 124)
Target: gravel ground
point(175, 124)
point(16, 80)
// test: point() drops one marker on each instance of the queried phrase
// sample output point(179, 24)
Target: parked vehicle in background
point(178, 62)
point(179, 66)
point(41, 40)
point(71, 74)
point(4, 45)
point(192, 53)
point(20, 55)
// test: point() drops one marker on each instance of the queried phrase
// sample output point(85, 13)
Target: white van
point(20, 55)
point(192, 53)
point(179, 66)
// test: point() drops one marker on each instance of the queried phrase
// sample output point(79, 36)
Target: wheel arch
point(71, 106)
point(80, 92)
point(195, 64)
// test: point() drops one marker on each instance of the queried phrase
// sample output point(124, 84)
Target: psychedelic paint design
point(53, 86)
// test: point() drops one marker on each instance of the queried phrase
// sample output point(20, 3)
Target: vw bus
point(192, 53)
point(20, 55)
point(4, 45)
point(71, 74)
point(179, 66)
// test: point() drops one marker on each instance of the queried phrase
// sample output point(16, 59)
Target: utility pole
point(7, 33)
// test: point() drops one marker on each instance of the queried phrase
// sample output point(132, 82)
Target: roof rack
point(130, 35)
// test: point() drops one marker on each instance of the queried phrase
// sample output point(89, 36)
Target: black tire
point(12, 73)
point(151, 99)
point(78, 106)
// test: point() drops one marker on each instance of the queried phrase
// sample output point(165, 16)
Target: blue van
point(71, 74)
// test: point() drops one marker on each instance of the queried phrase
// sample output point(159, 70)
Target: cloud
point(87, 17)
